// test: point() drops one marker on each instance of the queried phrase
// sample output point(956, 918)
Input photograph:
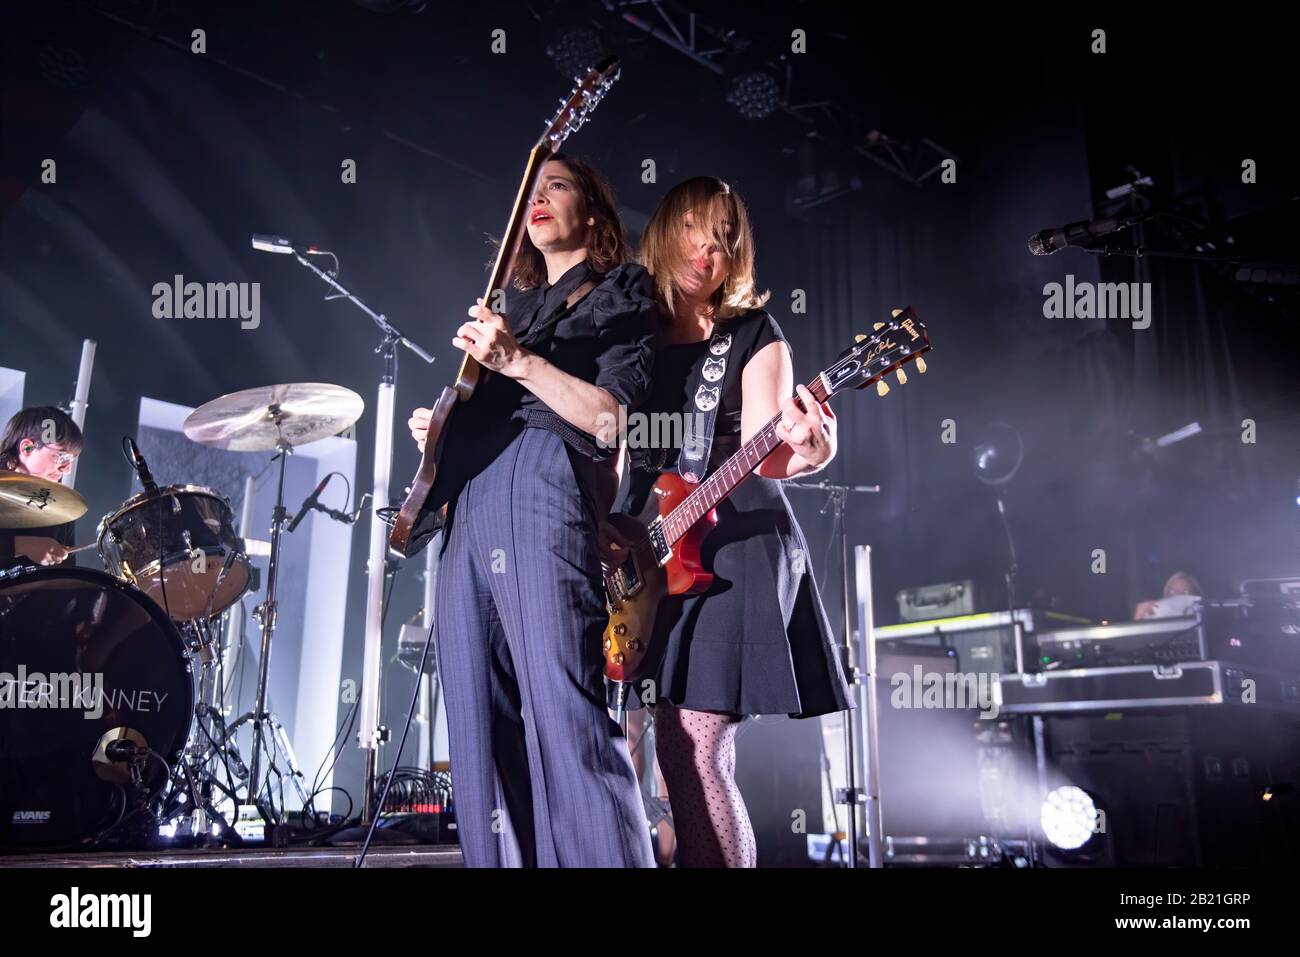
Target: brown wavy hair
point(715, 208)
point(30, 423)
point(607, 245)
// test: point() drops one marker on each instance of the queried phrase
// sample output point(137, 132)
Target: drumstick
point(82, 548)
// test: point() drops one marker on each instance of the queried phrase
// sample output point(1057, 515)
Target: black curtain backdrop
point(168, 161)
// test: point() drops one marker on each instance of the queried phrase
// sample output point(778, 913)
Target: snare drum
point(188, 532)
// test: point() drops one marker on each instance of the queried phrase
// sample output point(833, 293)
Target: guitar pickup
point(658, 544)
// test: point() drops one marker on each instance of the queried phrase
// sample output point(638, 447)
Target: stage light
point(575, 49)
point(998, 457)
point(1069, 817)
point(755, 95)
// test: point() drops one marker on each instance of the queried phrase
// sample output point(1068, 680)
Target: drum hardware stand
point(855, 796)
point(197, 769)
point(266, 615)
point(210, 717)
point(202, 810)
point(371, 734)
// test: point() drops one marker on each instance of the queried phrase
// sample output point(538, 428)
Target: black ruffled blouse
point(607, 339)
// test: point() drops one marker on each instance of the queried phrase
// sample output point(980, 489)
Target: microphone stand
point(1037, 725)
point(854, 794)
point(1140, 252)
point(372, 734)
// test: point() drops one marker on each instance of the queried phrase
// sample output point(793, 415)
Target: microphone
point(1047, 241)
point(265, 242)
point(335, 514)
point(119, 751)
point(1150, 446)
point(117, 747)
point(310, 503)
point(141, 467)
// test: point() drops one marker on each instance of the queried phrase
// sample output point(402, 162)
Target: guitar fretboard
point(728, 475)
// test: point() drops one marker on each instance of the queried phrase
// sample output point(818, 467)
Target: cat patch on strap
point(706, 398)
point(693, 462)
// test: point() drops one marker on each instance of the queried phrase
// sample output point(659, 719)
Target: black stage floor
point(406, 856)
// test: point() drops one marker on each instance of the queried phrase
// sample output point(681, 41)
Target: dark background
point(168, 160)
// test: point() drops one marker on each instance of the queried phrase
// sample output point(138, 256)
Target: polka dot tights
point(697, 753)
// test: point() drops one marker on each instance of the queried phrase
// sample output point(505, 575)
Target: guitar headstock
point(577, 108)
point(887, 348)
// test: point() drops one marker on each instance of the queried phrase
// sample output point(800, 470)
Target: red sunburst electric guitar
point(664, 558)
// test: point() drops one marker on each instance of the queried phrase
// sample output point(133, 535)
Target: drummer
point(42, 441)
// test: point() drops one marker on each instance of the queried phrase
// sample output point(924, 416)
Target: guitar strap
point(579, 294)
point(706, 394)
point(572, 299)
point(433, 516)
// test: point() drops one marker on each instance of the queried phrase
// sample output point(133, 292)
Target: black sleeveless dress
point(758, 641)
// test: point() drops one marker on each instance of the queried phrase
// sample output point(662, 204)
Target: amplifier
point(1130, 687)
point(1150, 641)
point(1180, 787)
point(936, 601)
point(1265, 633)
point(983, 644)
point(410, 647)
point(1271, 589)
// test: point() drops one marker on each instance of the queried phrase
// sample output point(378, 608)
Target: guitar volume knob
point(620, 629)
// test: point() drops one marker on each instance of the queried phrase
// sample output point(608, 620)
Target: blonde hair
point(711, 203)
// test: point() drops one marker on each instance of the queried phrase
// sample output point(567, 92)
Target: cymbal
point(30, 502)
point(262, 419)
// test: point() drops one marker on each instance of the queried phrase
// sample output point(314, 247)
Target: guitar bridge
point(626, 581)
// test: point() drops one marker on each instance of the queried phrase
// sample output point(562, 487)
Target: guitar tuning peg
point(920, 365)
point(902, 377)
point(896, 313)
point(879, 325)
point(882, 387)
point(860, 337)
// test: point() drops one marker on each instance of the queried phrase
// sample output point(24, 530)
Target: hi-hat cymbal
point(30, 502)
point(261, 419)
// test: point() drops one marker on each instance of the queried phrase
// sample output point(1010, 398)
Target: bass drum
point(85, 660)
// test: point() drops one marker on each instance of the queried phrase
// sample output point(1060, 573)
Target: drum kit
point(112, 717)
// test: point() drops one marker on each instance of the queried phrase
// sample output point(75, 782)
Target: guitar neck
point(728, 475)
point(513, 238)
